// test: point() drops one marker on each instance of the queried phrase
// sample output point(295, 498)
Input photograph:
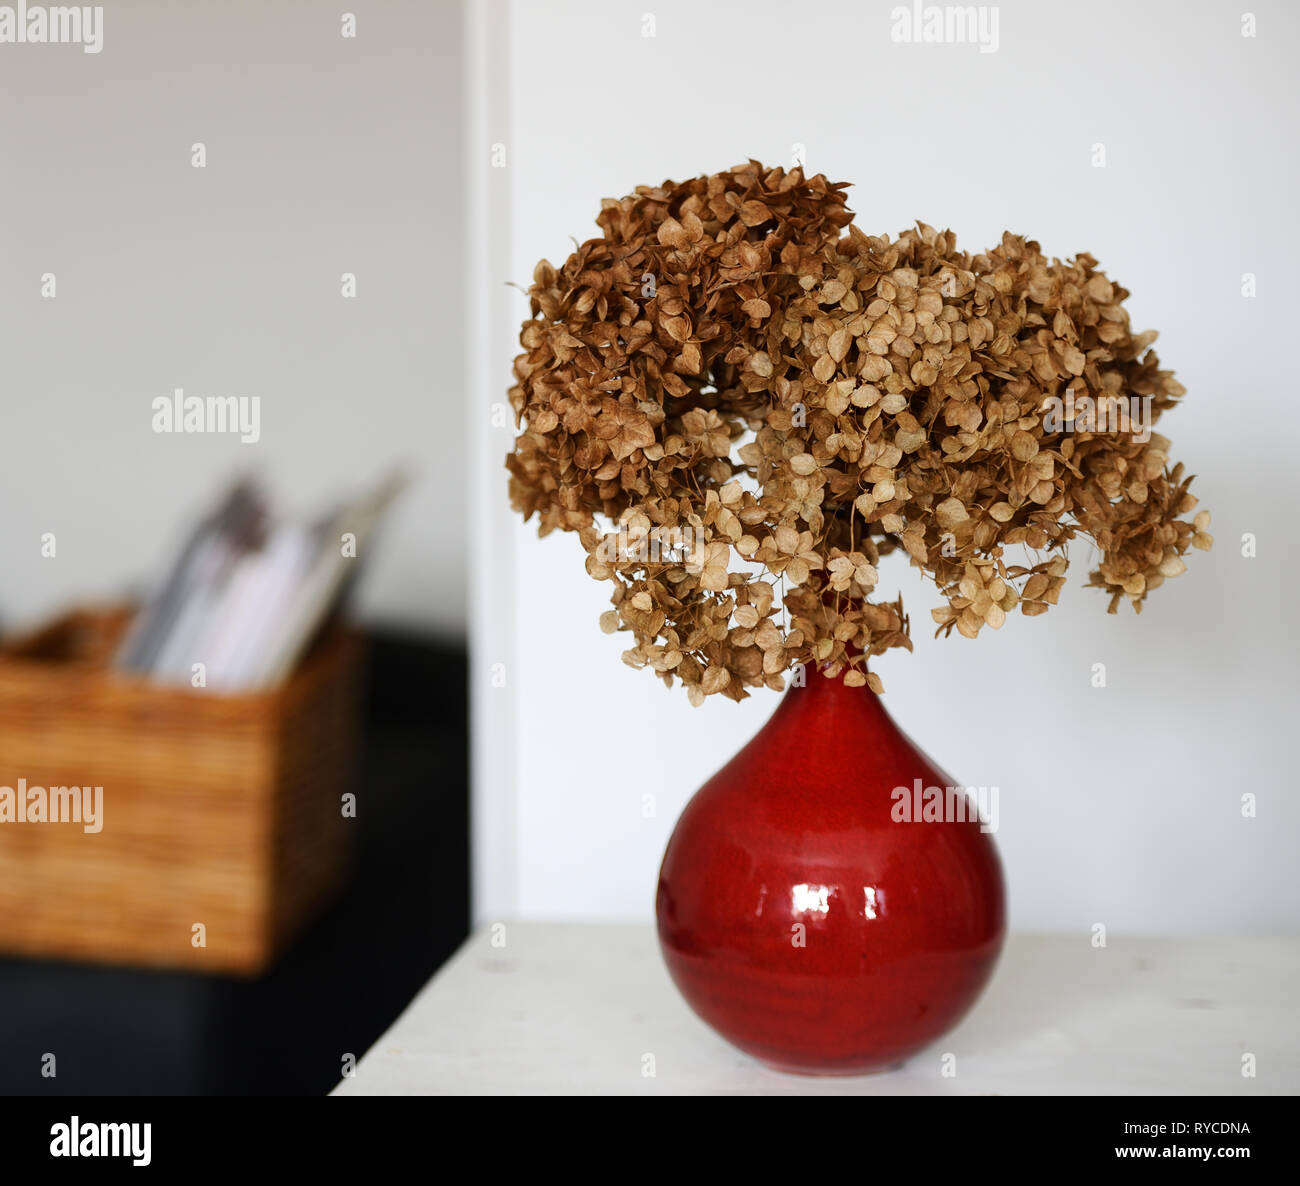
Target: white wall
point(325, 155)
point(1119, 805)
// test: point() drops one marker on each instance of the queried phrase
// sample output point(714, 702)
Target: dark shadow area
point(116, 1031)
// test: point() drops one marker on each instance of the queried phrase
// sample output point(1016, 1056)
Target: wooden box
point(221, 827)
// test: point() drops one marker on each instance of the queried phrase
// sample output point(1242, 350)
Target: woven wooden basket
point(222, 822)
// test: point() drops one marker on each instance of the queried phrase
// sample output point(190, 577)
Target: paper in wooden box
point(219, 810)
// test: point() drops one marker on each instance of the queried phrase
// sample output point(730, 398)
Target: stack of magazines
point(250, 591)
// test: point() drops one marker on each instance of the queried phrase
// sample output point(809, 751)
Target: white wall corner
point(493, 782)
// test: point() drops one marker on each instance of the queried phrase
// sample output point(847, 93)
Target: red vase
point(806, 915)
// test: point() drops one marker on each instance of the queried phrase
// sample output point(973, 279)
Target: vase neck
point(822, 696)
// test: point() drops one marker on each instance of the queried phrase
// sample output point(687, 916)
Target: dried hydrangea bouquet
point(740, 402)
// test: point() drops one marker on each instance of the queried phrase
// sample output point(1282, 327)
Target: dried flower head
point(741, 402)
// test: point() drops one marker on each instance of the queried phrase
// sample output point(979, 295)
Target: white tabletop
point(576, 1008)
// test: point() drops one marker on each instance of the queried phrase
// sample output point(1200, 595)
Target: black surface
point(118, 1031)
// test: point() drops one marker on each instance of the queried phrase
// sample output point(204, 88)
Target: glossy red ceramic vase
point(807, 915)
